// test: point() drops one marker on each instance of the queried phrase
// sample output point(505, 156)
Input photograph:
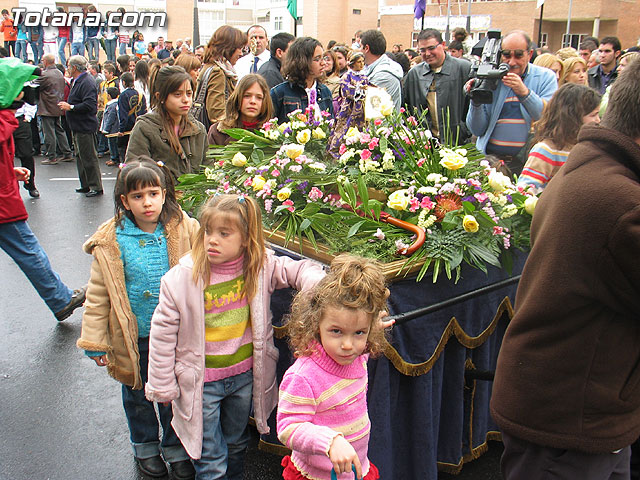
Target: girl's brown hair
point(234, 104)
point(168, 80)
point(223, 43)
point(353, 283)
point(244, 211)
point(297, 63)
point(336, 69)
point(188, 61)
point(140, 173)
point(562, 117)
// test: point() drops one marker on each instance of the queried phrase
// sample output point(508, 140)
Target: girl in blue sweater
point(132, 251)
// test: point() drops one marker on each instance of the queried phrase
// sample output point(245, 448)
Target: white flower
point(210, 173)
point(346, 156)
point(435, 178)
point(319, 167)
point(509, 211)
point(530, 205)
point(428, 190)
point(379, 234)
point(498, 181)
point(388, 160)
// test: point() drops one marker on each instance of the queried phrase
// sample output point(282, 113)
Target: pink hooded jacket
point(176, 343)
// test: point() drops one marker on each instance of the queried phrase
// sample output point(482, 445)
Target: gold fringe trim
point(475, 453)
point(452, 329)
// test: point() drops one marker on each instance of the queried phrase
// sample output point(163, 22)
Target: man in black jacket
point(271, 70)
point(81, 109)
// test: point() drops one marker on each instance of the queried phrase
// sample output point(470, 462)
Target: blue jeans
point(113, 149)
point(20, 243)
point(62, 43)
point(21, 50)
point(110, 44)
point(77, 48)
point(142, 420)
point(123, 48)
point(226, 406)
point(36, 48)
point(93, 48)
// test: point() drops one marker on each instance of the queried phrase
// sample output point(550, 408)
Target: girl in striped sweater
point(322, 412)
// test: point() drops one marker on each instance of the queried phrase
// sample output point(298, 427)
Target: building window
point(209, 21)
point(544, 40)
point(572, 40)
point(357, 11)
point(277, 23)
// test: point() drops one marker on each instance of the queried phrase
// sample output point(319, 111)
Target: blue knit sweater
point(145, 260)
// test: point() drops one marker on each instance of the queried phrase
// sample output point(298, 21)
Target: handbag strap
point(202, 92)
point(335, 477)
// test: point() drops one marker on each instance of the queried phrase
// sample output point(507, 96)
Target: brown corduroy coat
point(108, 324)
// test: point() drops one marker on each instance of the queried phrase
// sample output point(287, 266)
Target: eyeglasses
point(316, 59)
point(516, 53)
point(432, 48)
point(327, 58)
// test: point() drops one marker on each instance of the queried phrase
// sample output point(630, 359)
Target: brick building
point(599, 18)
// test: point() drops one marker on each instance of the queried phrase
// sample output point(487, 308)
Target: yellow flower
point(352, 134)
point(294, 150)
point(258, 182)
point(303, 136)
point(210, 173)
point(398, 200)
point(284, 193)
point(470, 224)
point(386, 109)
point(239, 160)
point(452, 160)
point(530, 205)
point(498, 181)
point(319, 134)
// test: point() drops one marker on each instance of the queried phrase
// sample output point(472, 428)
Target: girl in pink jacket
point(211, 343)
point(322, 413)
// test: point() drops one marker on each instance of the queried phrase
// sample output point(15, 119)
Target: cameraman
point(503, 126)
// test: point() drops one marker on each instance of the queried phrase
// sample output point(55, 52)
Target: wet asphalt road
point(61, 416)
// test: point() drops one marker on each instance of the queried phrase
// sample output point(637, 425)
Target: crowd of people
point(152, 312)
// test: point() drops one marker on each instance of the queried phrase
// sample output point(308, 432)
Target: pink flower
point(421, 161)
point(343, 148)
point(481, 197)
point(412, 120)
point(289, 204)
point(426, 203)
point(373, 143)
point(315, 194)
point(275, 172)
point(366, 154)
point(402, 110)
point(268, 205)
point(414, 204)
point(365, 138)
point(266, 126)
point(377, 122)
point(295, 168)
point(497, 230)
point(221, 163)
point(379, 234)
point(248, 182)
point(225, 186)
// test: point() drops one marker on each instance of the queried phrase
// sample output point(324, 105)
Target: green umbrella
point(13, 75)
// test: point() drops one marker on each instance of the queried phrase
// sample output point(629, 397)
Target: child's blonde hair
point(354, 283)
point(244, 211)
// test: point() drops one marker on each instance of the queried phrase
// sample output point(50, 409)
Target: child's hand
point(101, 361)
point(385, 314)
point(342, 456)
point(22, 174)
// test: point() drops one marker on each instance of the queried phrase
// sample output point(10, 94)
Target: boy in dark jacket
point(131, 104)
point(111, 125)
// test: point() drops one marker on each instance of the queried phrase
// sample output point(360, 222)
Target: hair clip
point(160, 163)
point(122, 165)
point(241, 198)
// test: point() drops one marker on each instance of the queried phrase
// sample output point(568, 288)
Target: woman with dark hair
point(571, 107)
point(301, 69)
point(190, 63)
point(331, 73)
point(222, 52)
point(249, 106)
point(168, 133)
point(141, 75)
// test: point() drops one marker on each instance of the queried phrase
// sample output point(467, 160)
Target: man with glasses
point(436, 86)
point(503, 126)
point(606, 73)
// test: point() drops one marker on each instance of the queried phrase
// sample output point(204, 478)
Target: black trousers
point(87, 160)
point(525, 460)
point(24, 150)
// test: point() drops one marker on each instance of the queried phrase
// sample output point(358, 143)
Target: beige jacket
point(108, 324)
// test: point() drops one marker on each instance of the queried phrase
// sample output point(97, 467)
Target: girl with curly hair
point(322, 412)
point(557, 130)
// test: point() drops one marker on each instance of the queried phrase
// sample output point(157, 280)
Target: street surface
point(61, 415)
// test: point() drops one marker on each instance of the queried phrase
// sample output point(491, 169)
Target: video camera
point(488, 70)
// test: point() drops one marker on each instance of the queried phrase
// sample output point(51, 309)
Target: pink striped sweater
point(319, 400)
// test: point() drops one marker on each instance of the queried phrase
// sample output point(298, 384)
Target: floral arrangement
point(393, 192)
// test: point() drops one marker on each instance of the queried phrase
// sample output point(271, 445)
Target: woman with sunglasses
point(302, 70)
point(331, 73)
